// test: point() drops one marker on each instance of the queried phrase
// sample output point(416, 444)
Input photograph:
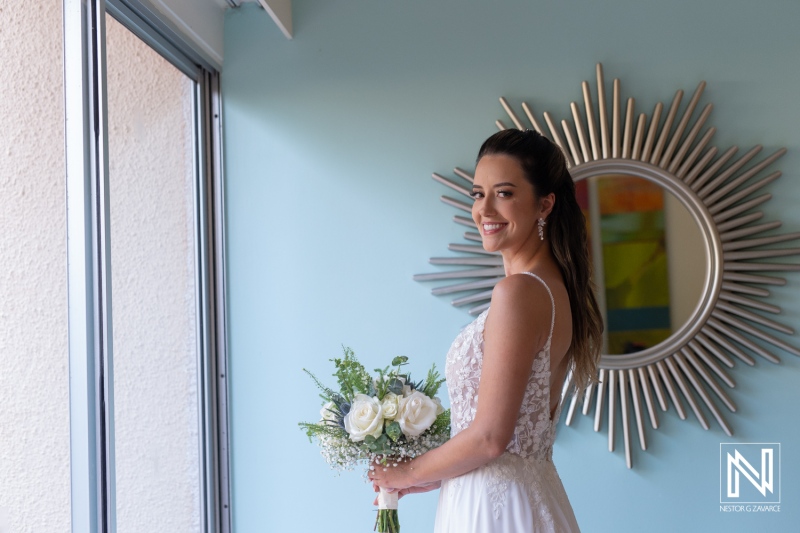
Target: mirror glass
point(650, 263)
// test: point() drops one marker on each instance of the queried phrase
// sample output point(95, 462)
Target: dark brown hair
point(546, 169)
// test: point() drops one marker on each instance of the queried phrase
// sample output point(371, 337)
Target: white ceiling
point(203, 21)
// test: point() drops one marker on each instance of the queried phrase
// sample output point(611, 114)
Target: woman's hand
point(393, 477)
point(417, 489)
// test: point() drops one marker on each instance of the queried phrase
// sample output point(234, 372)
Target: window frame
point(92, 488)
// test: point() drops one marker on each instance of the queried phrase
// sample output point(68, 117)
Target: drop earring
point(541, 228)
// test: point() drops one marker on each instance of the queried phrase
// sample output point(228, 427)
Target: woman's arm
point(516, 329)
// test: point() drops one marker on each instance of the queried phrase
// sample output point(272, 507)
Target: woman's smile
point(492, 228)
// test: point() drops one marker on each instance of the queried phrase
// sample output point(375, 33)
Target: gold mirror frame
point(720, 195)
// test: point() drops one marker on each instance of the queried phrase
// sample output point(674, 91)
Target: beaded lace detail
point(534, 431)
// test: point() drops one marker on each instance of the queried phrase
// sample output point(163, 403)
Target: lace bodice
point(520, 490)
point(534, 431)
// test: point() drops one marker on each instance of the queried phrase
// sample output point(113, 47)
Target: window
point(146, 279)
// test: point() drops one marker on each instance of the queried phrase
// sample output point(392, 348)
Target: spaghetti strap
point(552, 307)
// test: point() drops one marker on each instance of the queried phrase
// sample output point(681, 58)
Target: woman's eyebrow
point(496, 185)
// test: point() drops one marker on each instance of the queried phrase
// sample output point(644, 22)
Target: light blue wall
point(330, 142)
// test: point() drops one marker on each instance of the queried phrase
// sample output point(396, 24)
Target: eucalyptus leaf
point(396, 386)
point(379, 445)
point(393, 431)
point(399, 360)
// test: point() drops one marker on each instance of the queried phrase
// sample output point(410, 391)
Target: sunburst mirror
point(679, 254)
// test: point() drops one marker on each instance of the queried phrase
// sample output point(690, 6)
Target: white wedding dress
point(520, 491)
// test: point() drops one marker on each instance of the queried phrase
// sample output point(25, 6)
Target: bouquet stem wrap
point(387, 520)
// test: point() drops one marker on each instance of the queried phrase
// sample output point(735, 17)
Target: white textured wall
point(155, 371)
point(34, 397)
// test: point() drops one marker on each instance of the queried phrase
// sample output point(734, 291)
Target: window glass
point(155, 344)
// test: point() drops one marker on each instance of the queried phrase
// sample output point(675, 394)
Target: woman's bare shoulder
point(520, 304)
point(522, 289)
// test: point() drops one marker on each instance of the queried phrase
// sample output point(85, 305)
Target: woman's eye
point(476, 195)
point(504, 194)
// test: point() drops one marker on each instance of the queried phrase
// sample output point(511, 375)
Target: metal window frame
point(89, 267)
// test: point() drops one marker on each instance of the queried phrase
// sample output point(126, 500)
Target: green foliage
point(442, 424)
point(399, 361)
point(380, 445)
point(352, 376)
point(327, 393)
point(381, 383)
point(432, 383)
point(321, 430)
point(393, 430)
point(392, 380)
point(395, 386)
point(387, 521)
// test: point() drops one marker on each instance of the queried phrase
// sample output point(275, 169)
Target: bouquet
point(385, 418)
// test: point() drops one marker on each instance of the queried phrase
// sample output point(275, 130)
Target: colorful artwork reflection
point(629, 223)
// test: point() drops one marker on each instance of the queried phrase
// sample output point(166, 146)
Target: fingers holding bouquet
point(391, 476)
point(416, 489)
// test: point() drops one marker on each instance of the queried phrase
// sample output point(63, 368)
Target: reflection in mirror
point(649, 260)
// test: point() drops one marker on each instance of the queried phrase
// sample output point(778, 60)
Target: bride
point(496, 473)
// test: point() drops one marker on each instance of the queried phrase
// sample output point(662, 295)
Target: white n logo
point(738, 464)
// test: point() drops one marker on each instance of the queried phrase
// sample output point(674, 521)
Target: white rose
point(416, 414)
point(390, 405)
point(328, 412)
point(365, 418)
